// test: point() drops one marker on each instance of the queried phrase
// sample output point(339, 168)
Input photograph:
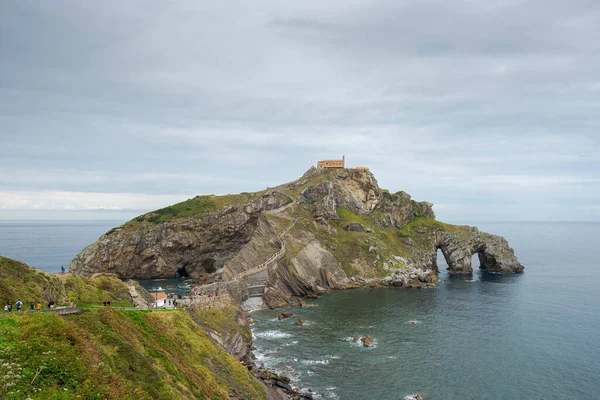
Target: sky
point(488, 109)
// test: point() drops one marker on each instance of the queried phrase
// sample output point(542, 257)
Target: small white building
point(160, 299)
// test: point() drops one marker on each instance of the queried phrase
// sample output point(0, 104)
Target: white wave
point(294, 342)
point(273, 334)
point(314, 362)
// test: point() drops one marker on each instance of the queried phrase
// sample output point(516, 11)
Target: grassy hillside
point(111, 354)
point(192, 207)
point(20, 282)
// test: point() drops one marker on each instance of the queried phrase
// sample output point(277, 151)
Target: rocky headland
point(345, 232)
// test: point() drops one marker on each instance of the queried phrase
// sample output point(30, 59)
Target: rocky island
point(330, 229)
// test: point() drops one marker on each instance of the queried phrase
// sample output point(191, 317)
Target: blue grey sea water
point(534, 335)
point(47, 245)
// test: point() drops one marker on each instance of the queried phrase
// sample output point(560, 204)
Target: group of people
point(32, 306)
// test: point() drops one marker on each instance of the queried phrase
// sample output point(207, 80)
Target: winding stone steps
point(258, 277)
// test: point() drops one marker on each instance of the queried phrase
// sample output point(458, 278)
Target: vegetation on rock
point(18, 281)
point(193, 207)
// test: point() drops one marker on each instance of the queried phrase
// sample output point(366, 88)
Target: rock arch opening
point(440, 262)
point(476, 260)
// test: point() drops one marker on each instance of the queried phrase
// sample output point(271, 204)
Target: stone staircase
point(258, 277)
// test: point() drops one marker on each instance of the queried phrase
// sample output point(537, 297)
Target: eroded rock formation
point(348, 232)
point(192, 246)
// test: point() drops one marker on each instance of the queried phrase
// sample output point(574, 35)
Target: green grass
point(87, 291)
point(196, 206)
point(20, 282)
point(111, 354)
point(223, 320)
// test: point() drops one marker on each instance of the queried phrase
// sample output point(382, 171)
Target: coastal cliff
point(100, 352)
point(347, 230)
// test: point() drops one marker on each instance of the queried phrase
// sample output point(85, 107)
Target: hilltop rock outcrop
point(191, 247)
point(348, 232)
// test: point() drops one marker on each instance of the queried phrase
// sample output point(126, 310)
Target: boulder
point(408, 241)
point(300, 322)
point(367, 341)
point(285, 386)
point(354, 227)
point(413, 284)
point(284, 315)
point(306, 304)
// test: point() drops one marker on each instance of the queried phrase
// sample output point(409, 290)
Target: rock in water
point(367, 341)
point(300, 322)
point(284, 315)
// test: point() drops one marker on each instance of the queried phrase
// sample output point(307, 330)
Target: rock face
point(354, 190)
point(348, 232)
point(459, 245)
point(192, 247)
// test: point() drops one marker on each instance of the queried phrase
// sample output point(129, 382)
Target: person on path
point(62, 269)
point(31, 306)
point(39, 306)
point(9, 306)
point(19, 305)
point(6, 307)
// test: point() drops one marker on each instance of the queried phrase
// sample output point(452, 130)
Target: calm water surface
point(529, 336)
point(47, 245)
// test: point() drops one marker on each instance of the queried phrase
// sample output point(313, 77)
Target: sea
point(534, 335)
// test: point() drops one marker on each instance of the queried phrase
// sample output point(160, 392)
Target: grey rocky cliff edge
point(193, 246)
point(348, 230)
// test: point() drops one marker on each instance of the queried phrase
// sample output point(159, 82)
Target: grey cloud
point(455, 102)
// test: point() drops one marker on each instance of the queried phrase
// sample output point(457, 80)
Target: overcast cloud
point(488, 109)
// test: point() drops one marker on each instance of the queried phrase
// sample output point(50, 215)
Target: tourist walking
point(6, 308)
point(9, 306)
point(31, 306)
point(19, 305)
point(39, 306)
